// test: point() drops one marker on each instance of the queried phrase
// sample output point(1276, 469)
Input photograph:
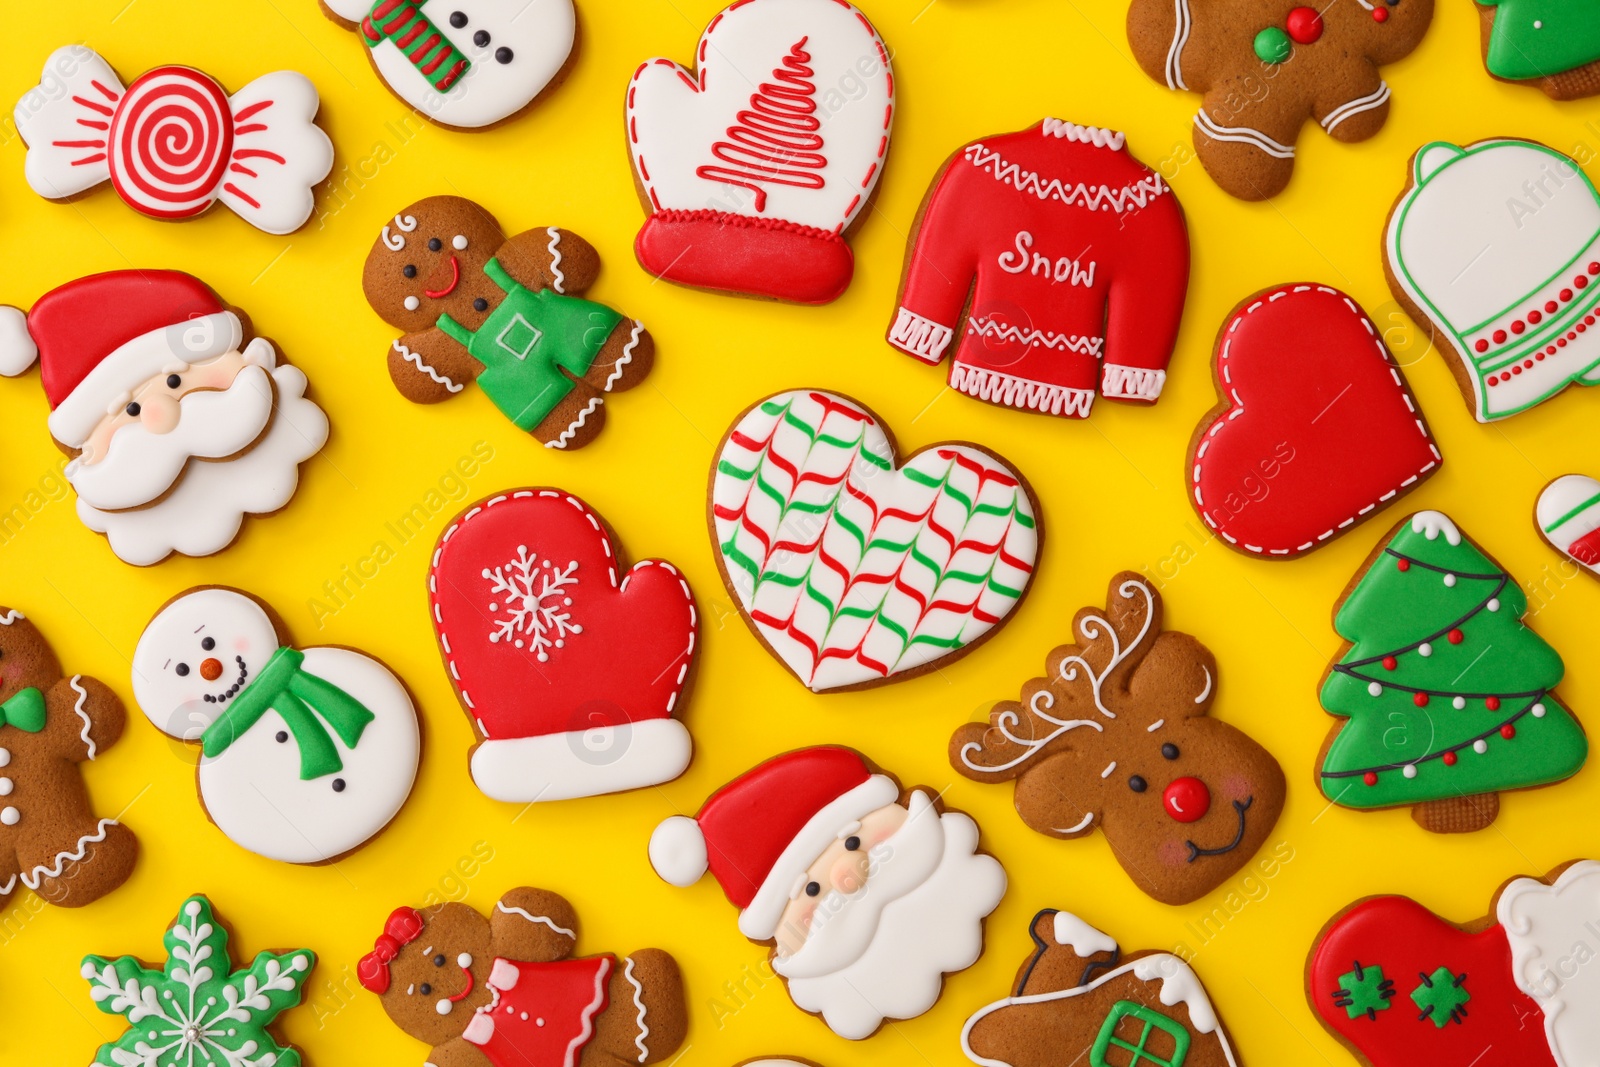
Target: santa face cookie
point(1118, 735)
point(1568, 514)
point(197, 1008)
point(1554, 44)
point(868, 895)
point(855, 569)
point(463, 63)
point(504, 312)
point(1078, 999)
point(506, 991)
point(1265, 66)
point(1448, 698)
point(1496, 247)
point(306, 754)
point(174, 142)
point(177, 429)
point(569, 665)
point(1066, 259)
point(1398, 985)
point(1302, 449)
point(51, 840)
point(754, 165)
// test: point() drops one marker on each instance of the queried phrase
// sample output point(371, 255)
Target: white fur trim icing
point(561, 766)
point(1023, 393)
point(17, 350)
point(1243, 135)
point(1545, 925)
point(1131, 383)
point(545, 920)
point(638, 1003)
point(678, 850)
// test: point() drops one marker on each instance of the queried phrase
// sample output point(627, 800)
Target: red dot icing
point(1370, 778)
point(1594, 268)
point(1380, 15)
point(1535, 318)
point(1493, 703)
point(1517, 326)
point(1508, 731)
point(1482, 345)
point(1404, 564)
point(1455, 637)
point(1419, 699)
point(1390, 663)
point(1449, 759)
point(1550, 307)
point(1566, 294)
point(1499, 337)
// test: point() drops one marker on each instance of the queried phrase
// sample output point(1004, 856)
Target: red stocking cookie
point(1317, 429)
point(1267, 66)
point(1060, 252)
point(754, 165)
point(504, 312)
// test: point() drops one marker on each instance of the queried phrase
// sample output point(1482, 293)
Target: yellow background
point(1113, 490)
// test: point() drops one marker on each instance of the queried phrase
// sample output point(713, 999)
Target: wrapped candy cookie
point(1568, 514)
point(174, 142)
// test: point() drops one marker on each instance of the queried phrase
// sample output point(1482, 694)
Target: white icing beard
point(1554, 932)
point(140, 466)
point(205, 509)
point(934, 929)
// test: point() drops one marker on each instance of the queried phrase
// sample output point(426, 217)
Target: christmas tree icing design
point(777, 140)
point(533, 599)
point(1447, 694)
point(1540, 38)
point(198, 1010)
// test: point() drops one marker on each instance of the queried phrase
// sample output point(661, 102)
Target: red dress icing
point(543, 1013)
point(1500, 1026)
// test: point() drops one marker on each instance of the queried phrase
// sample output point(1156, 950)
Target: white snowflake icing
point(534, 597)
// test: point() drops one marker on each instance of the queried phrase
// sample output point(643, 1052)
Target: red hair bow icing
point(402, 928)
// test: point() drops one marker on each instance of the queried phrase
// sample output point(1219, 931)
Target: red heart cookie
point(569, 666)
point(1317, 430)
point(1400, 987)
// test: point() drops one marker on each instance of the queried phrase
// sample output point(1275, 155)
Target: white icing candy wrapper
point(254, 789)
point(1569, 516)
point(459, 81)
point(173, 143)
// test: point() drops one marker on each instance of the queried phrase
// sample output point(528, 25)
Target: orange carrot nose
point(211, 670)
point(1187, 799)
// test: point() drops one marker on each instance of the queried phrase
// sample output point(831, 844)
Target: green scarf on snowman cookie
point(301, 698)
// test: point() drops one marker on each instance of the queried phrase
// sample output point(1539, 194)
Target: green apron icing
point(527, 342)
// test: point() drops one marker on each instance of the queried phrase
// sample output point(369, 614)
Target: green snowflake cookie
point(1441, 997)
point(198, 1010)
point(1364, 991)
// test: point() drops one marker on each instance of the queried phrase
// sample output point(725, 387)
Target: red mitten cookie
point(752, 167)
point(1118, 736)
point(1059, 251)
point(1317, 429)
point(869, 895)
point(1399, 986)
point(569, 665)
point(1265, 67)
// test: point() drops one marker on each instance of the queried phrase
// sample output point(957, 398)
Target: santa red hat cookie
point(1496, 247)
point(827, 860)
point(1056, 263)
point(177, 429)
point(174, 142)
point(468, 64)
point(752, 166)
point(570, 666)
point(1398, 985)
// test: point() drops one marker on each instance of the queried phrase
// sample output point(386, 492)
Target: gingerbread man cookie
point(50, 839)
point(1266, 66)
point(504, 312)
point(506, 991)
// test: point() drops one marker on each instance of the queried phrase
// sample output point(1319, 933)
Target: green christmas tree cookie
point(1547, 39)
point(198, 1009)
point(1449, 698)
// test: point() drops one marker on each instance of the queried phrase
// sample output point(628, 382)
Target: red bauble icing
point(1318, 430)
point(1304, 25)
point(1502, 1027)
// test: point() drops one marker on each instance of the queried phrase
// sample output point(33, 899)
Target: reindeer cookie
point(504, 312)
point(506, 992)
point(1117, 735)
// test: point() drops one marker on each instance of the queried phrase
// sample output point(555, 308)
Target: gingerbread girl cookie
point(506, 991)
point(504, 312)
point(1267, 66)
point(50, 839)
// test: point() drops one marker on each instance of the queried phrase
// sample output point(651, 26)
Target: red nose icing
point(1187, 799)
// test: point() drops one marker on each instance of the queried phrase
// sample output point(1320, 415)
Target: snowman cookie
point(306, 754)
point(465, 64)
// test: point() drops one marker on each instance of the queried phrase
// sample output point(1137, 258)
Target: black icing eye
point(852, 844)
point(133, 409)
point(458, 19)
point(338, 785)
point(1169, 750)
point(481, 38)
point(438, 961)
point(208, 643)
point(480, 304)
point(812, 889)
point(173, 381)
point(1137, 784)
point(424, 989)
point(409, 271)
point(282, 736)
point(434, 244)
point(502, 55)
point(182, 669)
